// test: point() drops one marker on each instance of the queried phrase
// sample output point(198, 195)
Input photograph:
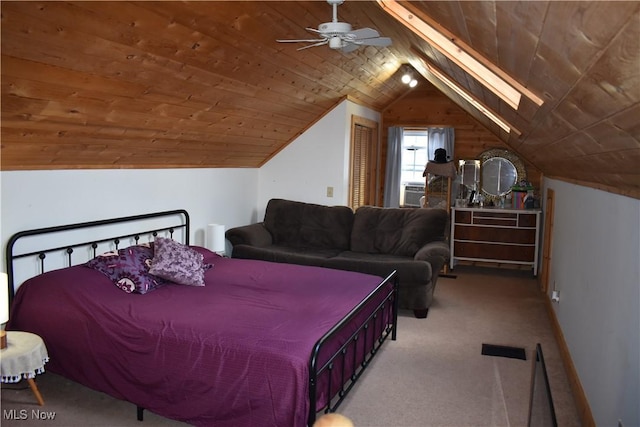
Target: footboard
point(333, 376)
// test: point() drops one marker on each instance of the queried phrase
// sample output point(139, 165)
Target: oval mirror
point(498, 176)
point(501, 169)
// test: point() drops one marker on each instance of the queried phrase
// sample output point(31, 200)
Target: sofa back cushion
point(307, 225)
point(397, 231)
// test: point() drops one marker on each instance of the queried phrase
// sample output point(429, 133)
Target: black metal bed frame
point(69, 249)
point(382, 321)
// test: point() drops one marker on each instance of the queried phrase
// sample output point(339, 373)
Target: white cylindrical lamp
point(215, 240)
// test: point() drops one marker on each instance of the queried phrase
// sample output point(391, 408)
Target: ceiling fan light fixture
point(335, 42)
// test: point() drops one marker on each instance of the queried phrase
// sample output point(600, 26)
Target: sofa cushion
point(397, 231)
point(275, 253)
point(410, 272)
point(307, 225)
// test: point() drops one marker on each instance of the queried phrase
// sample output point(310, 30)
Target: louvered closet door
point(364, 144)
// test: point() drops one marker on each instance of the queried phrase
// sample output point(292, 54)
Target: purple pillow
point(178, 263)
point(128, 268)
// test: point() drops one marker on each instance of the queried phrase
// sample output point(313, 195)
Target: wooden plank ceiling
point(205, 84)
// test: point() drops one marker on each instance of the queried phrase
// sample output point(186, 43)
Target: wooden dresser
point(498, 235)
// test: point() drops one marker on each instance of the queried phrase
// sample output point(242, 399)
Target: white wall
point(596, 268)
point(318, 159)
point(35, 199)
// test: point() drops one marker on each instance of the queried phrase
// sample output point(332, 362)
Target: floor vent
point(504, 351)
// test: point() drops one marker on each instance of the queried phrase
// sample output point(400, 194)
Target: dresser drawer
point(527, 220)
point(462, 217)
point(499, 221)
point(481, 217)
point(490, 234)
point(494, 252)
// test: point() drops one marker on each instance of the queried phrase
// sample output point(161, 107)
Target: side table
point(24, 357)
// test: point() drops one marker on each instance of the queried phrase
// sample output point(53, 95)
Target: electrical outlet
point(555, 296)
point(329, 191)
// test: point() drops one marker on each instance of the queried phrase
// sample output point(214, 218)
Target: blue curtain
point(393, 169)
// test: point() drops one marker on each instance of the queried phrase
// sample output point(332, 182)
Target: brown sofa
point(372, 240)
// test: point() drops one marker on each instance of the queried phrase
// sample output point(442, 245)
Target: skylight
point(510, 92)
point(470, 99)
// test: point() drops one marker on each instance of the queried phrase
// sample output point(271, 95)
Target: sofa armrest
point(435, 253)
point(252, 235)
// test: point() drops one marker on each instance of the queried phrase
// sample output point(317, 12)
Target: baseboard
point(582, 404)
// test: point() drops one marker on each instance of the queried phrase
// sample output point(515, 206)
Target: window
point(415, 145)
point(471, 99)
point(418, 147)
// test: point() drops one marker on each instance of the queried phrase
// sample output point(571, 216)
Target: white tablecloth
point(24, 356)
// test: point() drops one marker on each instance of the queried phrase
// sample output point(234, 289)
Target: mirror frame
point(464, 166)
point(521, 172)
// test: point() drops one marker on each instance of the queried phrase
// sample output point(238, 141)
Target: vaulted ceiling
point(205, 84)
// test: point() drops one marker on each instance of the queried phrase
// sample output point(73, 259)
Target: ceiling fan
point(340, 36)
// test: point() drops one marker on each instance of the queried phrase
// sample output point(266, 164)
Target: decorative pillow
point(178, 263)
point(128, 268)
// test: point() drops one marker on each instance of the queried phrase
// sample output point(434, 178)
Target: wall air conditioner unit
point(412, 195)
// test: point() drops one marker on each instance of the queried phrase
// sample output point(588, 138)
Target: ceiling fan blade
point(349, 47)
point(377, 41)
point(320, 43)
point(300, 41)
point(364, 33)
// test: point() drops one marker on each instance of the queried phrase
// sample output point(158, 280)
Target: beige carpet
point(433, 375)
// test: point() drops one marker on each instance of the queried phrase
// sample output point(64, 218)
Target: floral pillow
point(178, 263)
point(128, 268)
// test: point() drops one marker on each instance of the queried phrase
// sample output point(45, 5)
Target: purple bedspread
point(232, 353)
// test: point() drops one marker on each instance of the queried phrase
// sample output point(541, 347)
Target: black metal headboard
point(180, 222)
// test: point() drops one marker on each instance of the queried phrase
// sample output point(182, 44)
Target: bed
point(260, 343)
